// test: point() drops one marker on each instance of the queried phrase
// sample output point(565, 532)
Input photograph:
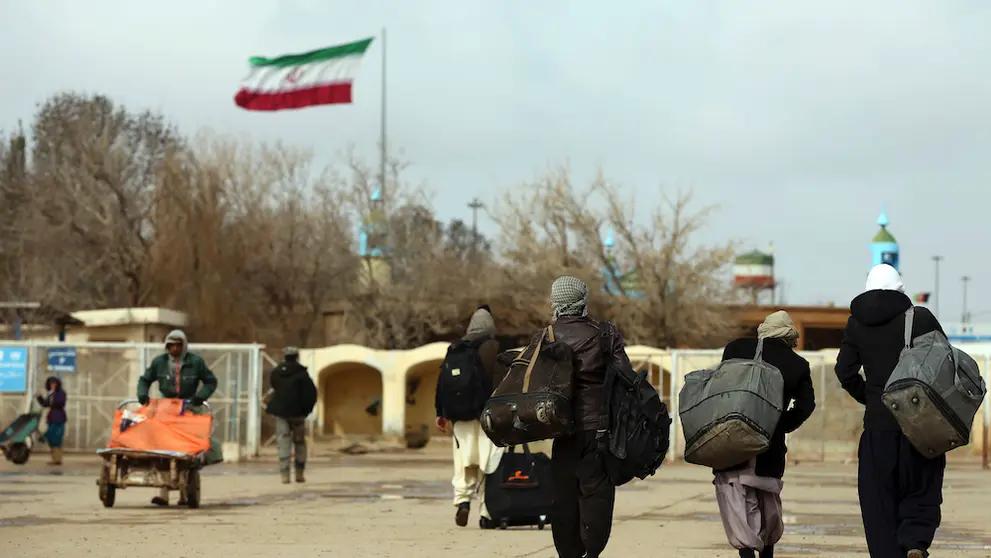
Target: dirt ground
point(398, 505)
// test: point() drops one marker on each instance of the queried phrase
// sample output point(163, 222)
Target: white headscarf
point(883, 277)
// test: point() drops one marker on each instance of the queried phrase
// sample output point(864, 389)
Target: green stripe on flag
point(357, 47)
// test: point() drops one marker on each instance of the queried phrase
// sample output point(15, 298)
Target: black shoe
point(486, 523)
point(159, 501)
point(461, 517)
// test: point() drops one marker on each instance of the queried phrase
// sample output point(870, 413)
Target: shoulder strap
point(760, 350)
point(909, 319)
point(533, 357)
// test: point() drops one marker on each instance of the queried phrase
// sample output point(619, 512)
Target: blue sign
point(13, 369)
point(62, 359)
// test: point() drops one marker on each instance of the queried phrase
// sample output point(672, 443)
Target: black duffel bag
point(533, 401)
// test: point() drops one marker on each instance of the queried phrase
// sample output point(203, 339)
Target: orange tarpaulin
point(161, 426)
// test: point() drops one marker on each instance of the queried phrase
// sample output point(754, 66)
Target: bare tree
point(660, 287)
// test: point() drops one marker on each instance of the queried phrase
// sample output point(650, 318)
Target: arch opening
point(351, 399)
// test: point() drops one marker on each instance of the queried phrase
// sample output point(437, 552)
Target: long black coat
point(294, 393)
point(799, 395)
point(874, 338)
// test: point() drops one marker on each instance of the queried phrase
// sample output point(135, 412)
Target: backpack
point(933, 392)
point(730, 413)
point(637, 427)
point(533, 401)
point(463, 385)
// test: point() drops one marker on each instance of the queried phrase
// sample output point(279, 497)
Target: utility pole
point(936, 260)
point(384, 155)
point(475, 205)
point(965, 318)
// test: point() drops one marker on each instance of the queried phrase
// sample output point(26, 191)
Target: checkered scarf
point(569, 297)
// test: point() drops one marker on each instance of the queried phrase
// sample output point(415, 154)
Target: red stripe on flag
point(328, 94)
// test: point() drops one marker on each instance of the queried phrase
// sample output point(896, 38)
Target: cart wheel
point(108, 495)
point(19, 453)
point(193, 488)
point(504, 524)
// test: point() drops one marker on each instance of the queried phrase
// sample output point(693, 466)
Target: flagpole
point(382, 156)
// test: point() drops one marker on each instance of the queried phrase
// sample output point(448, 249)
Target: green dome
point(884, 236)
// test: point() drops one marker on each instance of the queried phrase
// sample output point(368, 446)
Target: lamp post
point(965, 318)
point(475, 205)
point(936, 260)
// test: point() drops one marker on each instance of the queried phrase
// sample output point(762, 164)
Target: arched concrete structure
point(392, 366)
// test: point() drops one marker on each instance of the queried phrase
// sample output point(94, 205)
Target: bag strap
point(909, 319)
point(533, 357)
point(760, 350)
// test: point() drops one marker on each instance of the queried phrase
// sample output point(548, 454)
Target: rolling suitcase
point(520, 491)
point(934, 392)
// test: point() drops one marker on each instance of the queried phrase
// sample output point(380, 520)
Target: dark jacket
point(193, 372)
point(293, 391)
point(488, 350)
point(582, 334)
point(874, 338)
point(799, 401)
point(55, 401)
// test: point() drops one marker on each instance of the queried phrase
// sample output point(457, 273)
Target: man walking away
point(583, 494)
point(749, 495)
point(291, 400)
point(466, 381)
point(900, 489)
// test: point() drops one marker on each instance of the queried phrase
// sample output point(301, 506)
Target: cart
point(154, 469)
point(17, 439)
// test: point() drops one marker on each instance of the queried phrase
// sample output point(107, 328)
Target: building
point(819, 327)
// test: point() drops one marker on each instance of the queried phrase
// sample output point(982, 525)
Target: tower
point(884, 247)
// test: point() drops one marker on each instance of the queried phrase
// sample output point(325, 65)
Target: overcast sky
point(801, 123)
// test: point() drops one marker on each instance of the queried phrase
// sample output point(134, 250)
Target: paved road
point(397, 505)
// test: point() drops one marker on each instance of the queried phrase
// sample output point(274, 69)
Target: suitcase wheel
point(503, 524)
point(540, 525)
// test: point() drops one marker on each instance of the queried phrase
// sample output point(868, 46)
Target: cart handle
point(126, 402)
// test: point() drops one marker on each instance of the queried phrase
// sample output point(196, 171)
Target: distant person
point(180, 375)
point(749, 495)
point(583, 493)
point(900, 490)
point(471, 370)
point(54, 399)
point(291, 400)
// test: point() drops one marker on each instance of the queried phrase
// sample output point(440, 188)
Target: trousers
point(583, 497)
point(291, 434)
point(474, 457)
point(900, 494)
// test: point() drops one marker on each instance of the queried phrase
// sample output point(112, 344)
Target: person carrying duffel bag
point(555, 389)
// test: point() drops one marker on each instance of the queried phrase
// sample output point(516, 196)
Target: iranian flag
point(318, 77)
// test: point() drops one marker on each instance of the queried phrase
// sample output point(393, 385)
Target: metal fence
point(832, 432)
point(107, 373)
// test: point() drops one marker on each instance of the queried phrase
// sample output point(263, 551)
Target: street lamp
point(475, 205)
point(965, 318)
point(936, 260)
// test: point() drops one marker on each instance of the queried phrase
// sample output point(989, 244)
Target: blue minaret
point(884, 247)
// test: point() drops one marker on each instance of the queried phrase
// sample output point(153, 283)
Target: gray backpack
point(729, 413)
point(933, 392)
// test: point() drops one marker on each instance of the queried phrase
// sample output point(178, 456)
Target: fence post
point(673, 399)
point(987, 414)
point(254, 401)
point(32, 376)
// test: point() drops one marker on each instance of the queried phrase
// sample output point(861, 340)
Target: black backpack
point(464, 385)
point(636, 431)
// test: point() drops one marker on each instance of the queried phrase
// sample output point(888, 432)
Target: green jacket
point(193, 372)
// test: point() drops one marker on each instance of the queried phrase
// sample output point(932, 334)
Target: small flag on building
point(318, 77)
point(922, 298)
